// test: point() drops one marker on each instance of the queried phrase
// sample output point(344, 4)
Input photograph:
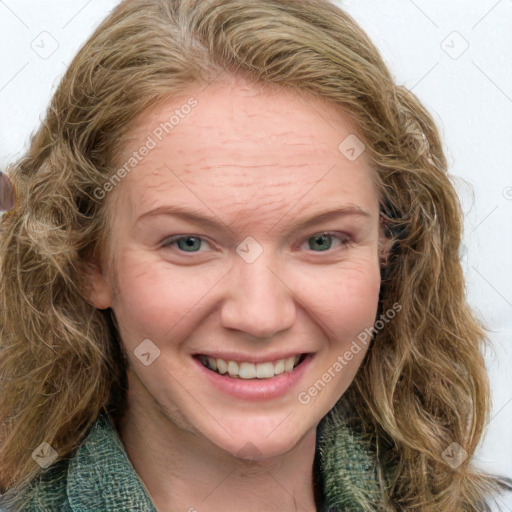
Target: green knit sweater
point(99, 477)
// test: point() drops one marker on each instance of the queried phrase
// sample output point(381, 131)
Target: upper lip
point(250, 358)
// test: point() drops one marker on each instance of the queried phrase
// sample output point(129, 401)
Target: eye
point(186, 243)
point(320, 242)
point(323, 241)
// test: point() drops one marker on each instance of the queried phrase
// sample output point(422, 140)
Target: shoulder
point(348, 464)
point(46, 492)
point(98, 476)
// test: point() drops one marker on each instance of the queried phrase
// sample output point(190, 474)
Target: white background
point(468, 90)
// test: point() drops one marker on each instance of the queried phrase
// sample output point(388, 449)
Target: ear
point(385, 244)
point(98, 290)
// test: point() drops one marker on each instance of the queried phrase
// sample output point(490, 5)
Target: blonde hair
point(423, 384)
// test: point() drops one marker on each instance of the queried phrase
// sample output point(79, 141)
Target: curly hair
point(423, 384)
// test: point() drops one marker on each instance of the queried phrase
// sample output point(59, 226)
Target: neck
point(184, 471)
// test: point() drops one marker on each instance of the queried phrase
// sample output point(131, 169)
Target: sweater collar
point(347, 465)
point(101, 477)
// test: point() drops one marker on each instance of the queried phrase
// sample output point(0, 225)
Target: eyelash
point(345, 240)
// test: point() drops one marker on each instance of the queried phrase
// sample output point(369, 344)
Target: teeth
point(233, 369)
point(279, 367)
point(222, 366)
point(245, 370)
point(289, 364)
point(265, 370)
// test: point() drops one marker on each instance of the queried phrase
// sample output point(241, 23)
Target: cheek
point(154, 297)
point(345, 300)
point(359, 297)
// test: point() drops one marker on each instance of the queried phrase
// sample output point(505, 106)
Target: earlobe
point(98, 291)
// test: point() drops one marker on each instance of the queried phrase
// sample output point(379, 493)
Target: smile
point(247, 370)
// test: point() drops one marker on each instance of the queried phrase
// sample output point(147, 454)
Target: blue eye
point(187, 243)
point(320, 242)
point(323, 241)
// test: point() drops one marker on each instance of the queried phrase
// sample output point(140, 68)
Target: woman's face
point(255, 282)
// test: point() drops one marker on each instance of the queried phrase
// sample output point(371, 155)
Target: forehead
point(249, 144)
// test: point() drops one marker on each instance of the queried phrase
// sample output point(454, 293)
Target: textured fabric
point(348, 468)
point(99, 477)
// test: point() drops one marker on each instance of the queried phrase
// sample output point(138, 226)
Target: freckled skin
point(255, 160)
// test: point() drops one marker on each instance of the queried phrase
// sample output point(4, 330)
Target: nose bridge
point(259, 301)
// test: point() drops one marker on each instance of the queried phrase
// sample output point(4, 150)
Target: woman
point(229, 250)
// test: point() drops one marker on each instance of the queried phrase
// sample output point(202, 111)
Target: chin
point(251, 440)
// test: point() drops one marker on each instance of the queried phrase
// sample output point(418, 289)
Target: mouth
point(246, 370)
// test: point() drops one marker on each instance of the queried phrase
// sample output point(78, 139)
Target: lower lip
point(256, 389)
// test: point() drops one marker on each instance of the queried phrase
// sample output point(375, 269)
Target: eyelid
point(337, 234)
point(169, 240)
point(345, 239)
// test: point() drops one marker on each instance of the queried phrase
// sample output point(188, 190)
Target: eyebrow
point(197, 217)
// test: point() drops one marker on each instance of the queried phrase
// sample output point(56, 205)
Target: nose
point(259, 300)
